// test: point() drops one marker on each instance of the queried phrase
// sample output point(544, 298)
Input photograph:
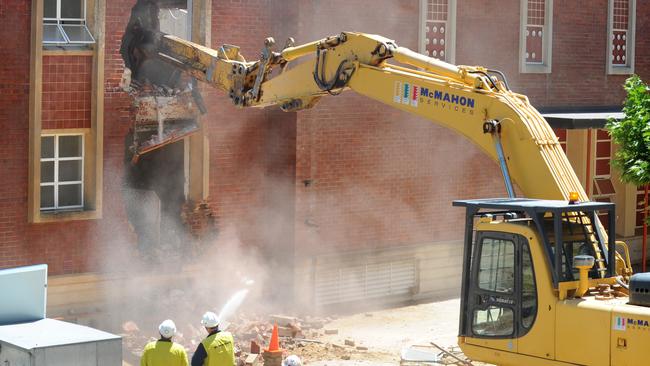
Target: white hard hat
point(167, 328)
point(292, 360)
point(210, 319)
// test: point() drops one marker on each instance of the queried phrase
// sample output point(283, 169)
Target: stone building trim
point(531, 41)
point(93, 137)
point(427, 36)
point(621, 42)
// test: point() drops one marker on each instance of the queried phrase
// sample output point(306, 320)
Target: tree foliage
point(632, 134)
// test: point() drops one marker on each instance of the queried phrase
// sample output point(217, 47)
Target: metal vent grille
point(365, 281)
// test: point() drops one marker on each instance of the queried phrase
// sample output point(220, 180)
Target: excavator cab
point(521, 257)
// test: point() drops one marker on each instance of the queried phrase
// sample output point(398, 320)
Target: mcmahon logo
point(622, 323)
point(413, 95)
point(637, 322)
point(446, 97)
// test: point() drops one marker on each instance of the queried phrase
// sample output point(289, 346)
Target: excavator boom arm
point(469, 100)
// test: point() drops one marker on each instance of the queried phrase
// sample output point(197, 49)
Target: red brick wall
point(642, 57)
point(488, 35)
point(67, 83)
point(251, 154)
point(369, 176)
point(14, 124)
point(67, 247)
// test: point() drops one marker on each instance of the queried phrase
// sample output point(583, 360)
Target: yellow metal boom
point(461, 98)
point(468, 99)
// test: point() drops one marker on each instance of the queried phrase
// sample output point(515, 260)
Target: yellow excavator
point(543, 283)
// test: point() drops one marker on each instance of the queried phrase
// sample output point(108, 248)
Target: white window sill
point(620, 70)
point(526, 68)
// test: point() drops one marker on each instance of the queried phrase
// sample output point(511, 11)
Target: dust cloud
point(190, 276)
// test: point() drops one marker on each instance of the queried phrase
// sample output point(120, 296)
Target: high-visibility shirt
point(163, 353)
point(220, 349)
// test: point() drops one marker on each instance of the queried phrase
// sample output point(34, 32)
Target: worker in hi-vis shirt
point(164, 352)
point(217, 349)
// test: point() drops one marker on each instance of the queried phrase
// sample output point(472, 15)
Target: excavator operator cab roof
point(572, 224)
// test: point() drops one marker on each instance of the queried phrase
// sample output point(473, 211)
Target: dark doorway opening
point(154, 193)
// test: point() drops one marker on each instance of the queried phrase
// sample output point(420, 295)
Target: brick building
point(352, 199)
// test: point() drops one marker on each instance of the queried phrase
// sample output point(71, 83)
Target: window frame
point(58, 21)
point(545, 67)
point(450, 37)
point(189, 18)
point(55, 183)
point(627, 69)
point(500, 299)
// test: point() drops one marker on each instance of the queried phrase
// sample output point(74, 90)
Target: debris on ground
point(360, 339)
point(252, 334)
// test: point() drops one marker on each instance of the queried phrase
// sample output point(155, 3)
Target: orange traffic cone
point(274, 344)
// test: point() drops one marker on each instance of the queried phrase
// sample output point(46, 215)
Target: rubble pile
point(252, 333)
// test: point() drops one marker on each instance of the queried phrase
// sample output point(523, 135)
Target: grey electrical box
point(49, 342)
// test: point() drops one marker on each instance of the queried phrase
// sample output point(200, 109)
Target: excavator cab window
point(503, 296)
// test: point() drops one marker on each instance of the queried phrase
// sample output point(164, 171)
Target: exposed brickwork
point(67, 83)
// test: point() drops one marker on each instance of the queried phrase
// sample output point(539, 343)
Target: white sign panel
point(23, 293)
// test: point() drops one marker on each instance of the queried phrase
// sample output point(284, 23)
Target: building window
point(603, 188)
point(64, 23)
point(620, 43)
point(535, 36)
point(177, 19)
point(438, 29)
point(62, 172)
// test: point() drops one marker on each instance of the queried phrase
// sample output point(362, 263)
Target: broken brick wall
point(252, 154)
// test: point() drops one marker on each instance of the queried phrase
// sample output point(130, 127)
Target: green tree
point(632, 135)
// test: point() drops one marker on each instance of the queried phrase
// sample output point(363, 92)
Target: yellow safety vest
point(220, 349)
point(163, 353)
